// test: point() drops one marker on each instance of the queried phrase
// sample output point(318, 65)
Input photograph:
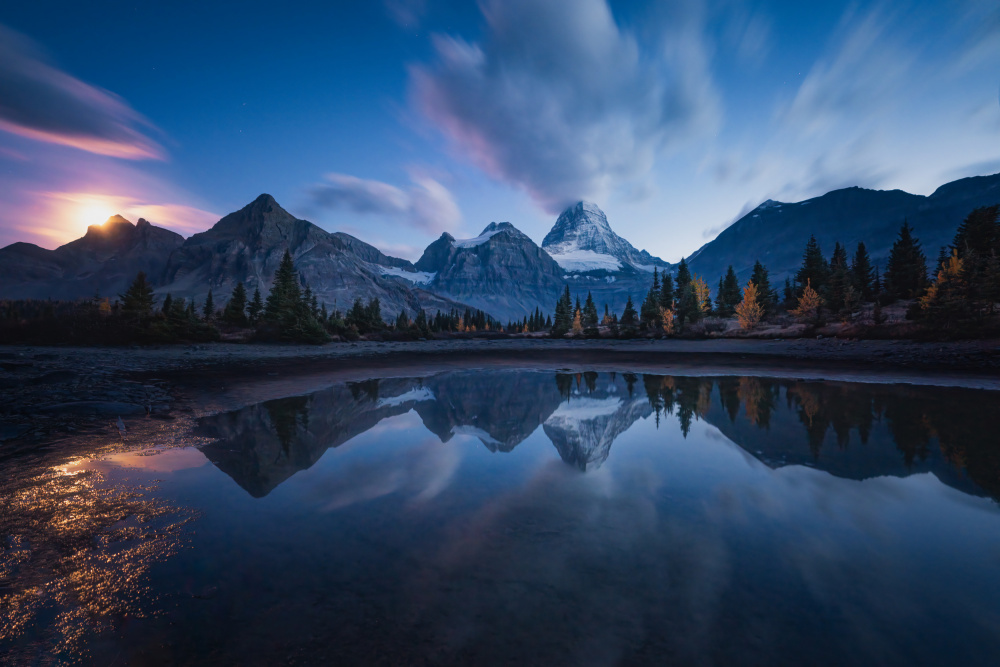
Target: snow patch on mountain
point(417, 277)
point(414, 395)
point(585, 260)
point(585, 409)
point(479, 240)
point(476, 432)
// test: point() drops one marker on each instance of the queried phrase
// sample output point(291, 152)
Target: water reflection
point(850, 430)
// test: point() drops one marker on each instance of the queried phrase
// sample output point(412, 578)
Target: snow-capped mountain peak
point(582, 240)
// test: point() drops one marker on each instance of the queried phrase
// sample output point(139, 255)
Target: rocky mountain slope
point(103, 261)
point(776, 233)
point(247, 246)
point(501, 271)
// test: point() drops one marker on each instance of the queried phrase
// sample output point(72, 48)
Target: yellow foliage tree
point(703, 293)
point(577, 324)
point(667, 316)
point(809, 304)
point(749, 312)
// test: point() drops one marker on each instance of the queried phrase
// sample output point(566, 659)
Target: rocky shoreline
point(58, 391)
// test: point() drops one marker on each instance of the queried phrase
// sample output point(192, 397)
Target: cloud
point(867, 74)
point(43, 103)
point(406, 13)
point(561, 101)
point(426, 205)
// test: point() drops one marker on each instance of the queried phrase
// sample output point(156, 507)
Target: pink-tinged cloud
point(43, 103)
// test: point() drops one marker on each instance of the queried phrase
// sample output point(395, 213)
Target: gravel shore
point(53, 391)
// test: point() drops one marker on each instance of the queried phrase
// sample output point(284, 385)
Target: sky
point(397, 120)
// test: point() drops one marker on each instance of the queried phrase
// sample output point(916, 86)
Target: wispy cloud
point(41, 102)
point(426, 205)
point(560, 100)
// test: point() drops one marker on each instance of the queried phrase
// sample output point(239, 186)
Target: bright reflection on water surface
point(528, 517)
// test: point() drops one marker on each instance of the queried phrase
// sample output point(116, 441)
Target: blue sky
point(395, 120)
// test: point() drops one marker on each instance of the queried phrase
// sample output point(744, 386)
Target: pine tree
point(208, 312)
point(863, 274)
point(285, 295)
point(138, 300)
point(649, 311)
point(766, 297)
point(168, 304)
point(840, 277)
point(683, 278)
point(590, 316)
point(256, 306)
point(906, 274)
point(728, 295)
point(815, 271)
point(564, 314)
point(630, 318)
point(402, 321)
point(666, 292)
point(979, 233)
point(235, 311)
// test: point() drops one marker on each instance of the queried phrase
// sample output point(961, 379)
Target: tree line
point(961, 294)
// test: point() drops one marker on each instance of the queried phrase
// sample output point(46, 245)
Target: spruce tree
point(729, 294)
point(766, 297)
point(138, 300)
point(283, 301)
point(168, 304)
point(815, 271)
point(589, 316)
point(666, 291)
point(630, 318)
point(863, 274)
point(649, 311)
point(564, 314)
point(208, 312)
point(683, 278)
point(840, 278)
point(235, 311)
point(256, 306)
point(906, 273)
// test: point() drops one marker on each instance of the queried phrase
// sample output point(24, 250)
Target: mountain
point(582, 241)
point(502, 271)
point(104, 260)
point(776, 232)
point(247, 246)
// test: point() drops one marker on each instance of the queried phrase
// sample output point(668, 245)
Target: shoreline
point(57, 391)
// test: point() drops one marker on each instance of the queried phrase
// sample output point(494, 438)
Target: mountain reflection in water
point(854, 431)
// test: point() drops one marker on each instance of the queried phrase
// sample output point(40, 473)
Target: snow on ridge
point(418, 277)
point(585, 409)
point(479, 240)
point(475, 431)
point(574, 259)
point(415, 395)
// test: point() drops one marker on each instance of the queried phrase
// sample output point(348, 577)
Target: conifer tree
point(840, 277)
point(863, 274)
point(138, 300)
point(589, 316)
point(906, 273)
point(649, 312)
point(728, 295)
point(815, 271)
point(630, 318)
point(810, 305)
point(168, 304)
point(235, 311)
point(285, 295)
point(256, 306)
point(749, 311)
point(683, 278)
point(766, 297)
point(564, 314)
point(209, 310)
point(666, 291)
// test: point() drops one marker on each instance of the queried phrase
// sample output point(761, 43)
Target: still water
point(521, 517)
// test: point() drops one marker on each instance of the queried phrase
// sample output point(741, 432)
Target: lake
point(522, 517)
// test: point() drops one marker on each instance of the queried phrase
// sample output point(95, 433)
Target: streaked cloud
point(560, 100)
point(426, 205)
point(41, 102)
